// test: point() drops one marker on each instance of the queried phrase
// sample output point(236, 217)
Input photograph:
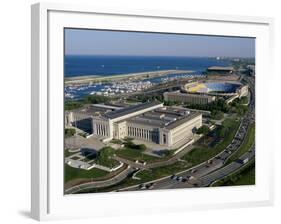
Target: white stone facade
point(152, 123)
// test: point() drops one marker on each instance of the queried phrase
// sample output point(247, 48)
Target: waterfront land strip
point(131, 76)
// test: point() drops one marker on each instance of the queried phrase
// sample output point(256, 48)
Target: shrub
point(116, 141)
point(69, 132)
point(71, 105)
point(141, 147)
point(96, 99)
point(204, 129)
point(216, 114)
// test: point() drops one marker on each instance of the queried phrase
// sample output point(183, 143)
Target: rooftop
point(92, 110)
point(168, 117)
point(220, 68)
point(154, 122)
point(182, 120)
point(131, 109)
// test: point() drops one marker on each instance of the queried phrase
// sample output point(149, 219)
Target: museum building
point(151, 122)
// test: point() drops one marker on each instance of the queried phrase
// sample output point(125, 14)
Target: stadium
point(207, 92)
point(213, 88)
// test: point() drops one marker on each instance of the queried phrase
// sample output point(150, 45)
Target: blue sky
point(98, 42)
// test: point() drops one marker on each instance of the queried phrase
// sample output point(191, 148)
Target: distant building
point(151, 122)
point(251, 69)
point(220, 70)
point(207, 92)
point(189, 98)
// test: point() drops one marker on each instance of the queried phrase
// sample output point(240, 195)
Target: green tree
point(217, 115)
point(105, 155)
point(141, 147)
point(71, 105)
point(106, 152)
point(222, 132)
point(68, 132)
point(204, 129)
point(96, 99)
point(243, 100)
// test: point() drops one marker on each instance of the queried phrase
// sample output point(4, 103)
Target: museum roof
point(131, 109)
point(168, 121)
point(182, 120)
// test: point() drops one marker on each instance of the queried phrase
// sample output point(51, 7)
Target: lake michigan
point(79, 65)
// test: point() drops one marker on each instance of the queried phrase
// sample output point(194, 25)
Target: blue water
point(111, 65)
point(114, 65)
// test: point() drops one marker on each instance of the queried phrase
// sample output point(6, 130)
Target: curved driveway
point(98, 184)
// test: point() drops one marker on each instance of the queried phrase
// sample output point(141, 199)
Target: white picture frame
point(48, 201)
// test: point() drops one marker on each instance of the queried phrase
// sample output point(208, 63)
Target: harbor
point(116, 87)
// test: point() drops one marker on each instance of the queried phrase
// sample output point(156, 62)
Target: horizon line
point(159, 56)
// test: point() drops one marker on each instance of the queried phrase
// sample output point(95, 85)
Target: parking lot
point(78, 141)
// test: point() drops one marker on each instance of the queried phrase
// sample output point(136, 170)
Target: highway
point(159, 89)
point(201, 179)
point(203, 176)
point(226, 170)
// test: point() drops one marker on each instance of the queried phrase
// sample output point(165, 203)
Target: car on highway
point(179, 178)
point(142, 187)
point(189, 177)
point(193, 171)
point(150, 186)
point(184, 180)
point(242, 161)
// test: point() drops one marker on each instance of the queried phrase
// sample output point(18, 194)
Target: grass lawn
point(71, 173)
point(134, 154)
point(201, 154)
point(75, 158)
point(245, 177)
point(247, 143)
point(116, 141)
point(155, 173)
point(108, 162)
